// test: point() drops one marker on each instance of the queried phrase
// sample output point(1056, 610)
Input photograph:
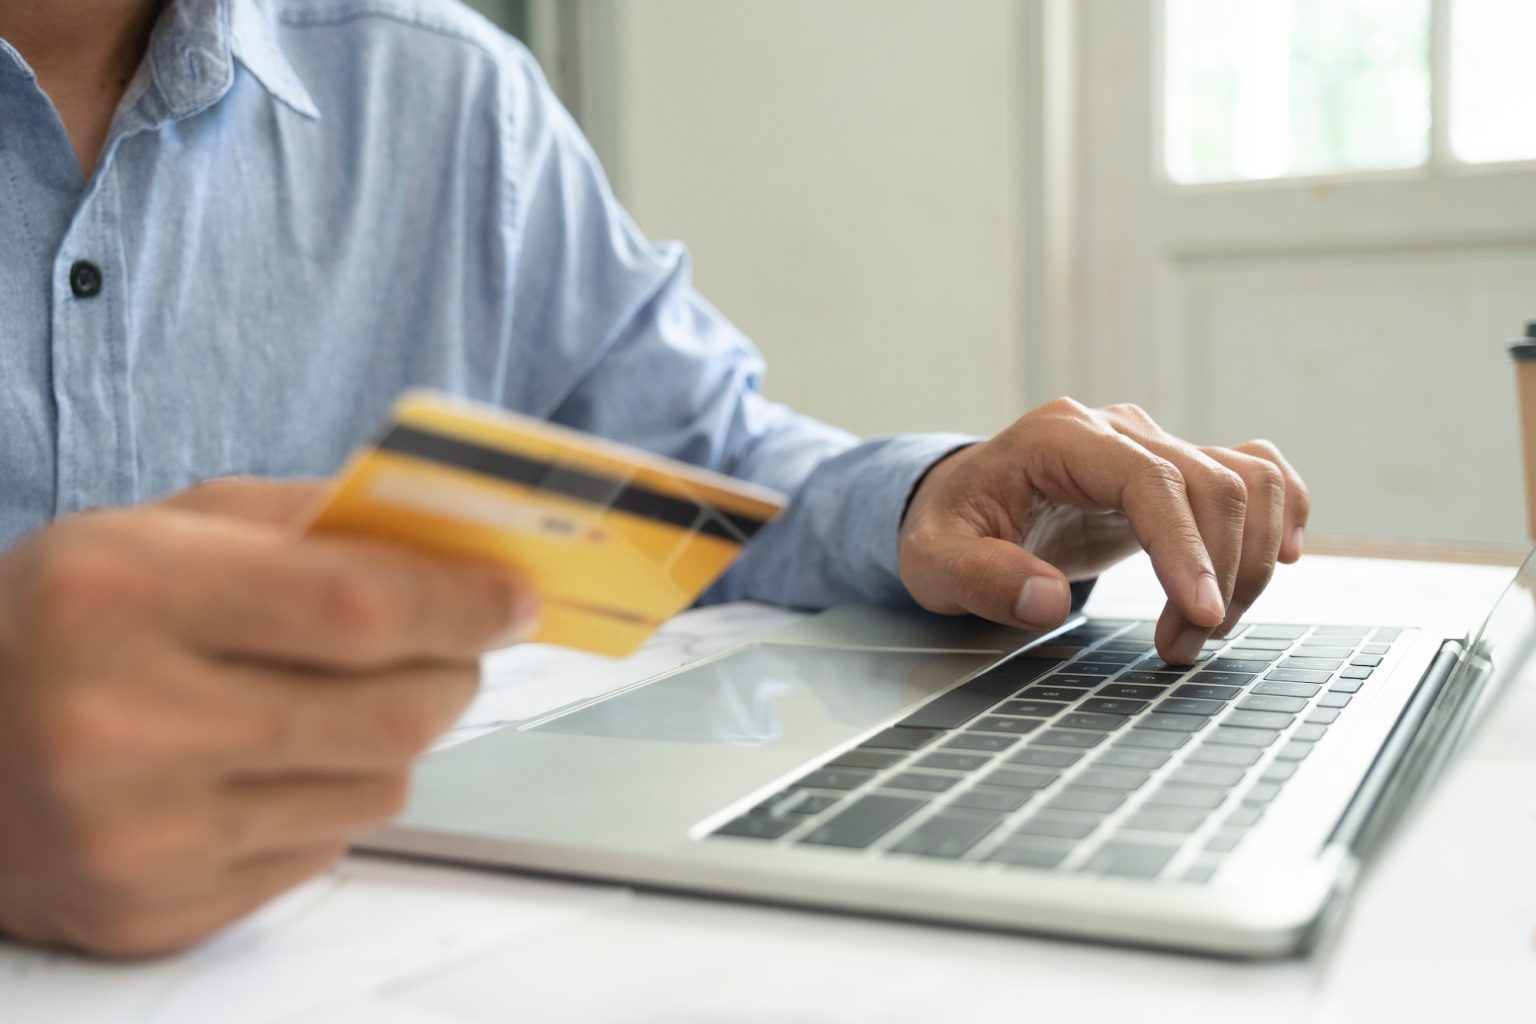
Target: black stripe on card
point(569, 482)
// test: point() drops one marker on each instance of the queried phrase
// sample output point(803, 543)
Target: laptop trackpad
point(810, 698)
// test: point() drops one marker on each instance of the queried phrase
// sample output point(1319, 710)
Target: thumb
point(986, 576)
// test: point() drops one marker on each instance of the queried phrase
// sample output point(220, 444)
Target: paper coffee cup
point(1524, 352)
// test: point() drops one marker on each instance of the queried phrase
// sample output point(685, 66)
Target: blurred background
point(1307, 220)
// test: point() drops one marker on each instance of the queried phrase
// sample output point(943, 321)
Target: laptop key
point(1130, 757)
point(1029, 855)
point(1284, 675)
point(1197, 797)
point(1110, 778)
point(1309, 731)
point(1200, 872)
point(1261, 793)
point(756, 826)
point(1344, 686)
point(1375, 648)
point(1323, 716)
point(982, 798)
point(948, 762)
point(1071, 679)
point(1238, 757)
point(835, 778)
point(1091, 722)
point(1295, 750)
point(1318, 651)
point(1064, 738)
point(1277, 632)
point(1045, 757)
point(1189, 706)
point(1140, 693)
point(1022, 778)
point(1028, 708)
point(1244, 816)
point(1265, 645)
point(922, 782)
point(1236, 665)
point(1239, 737)
point(1159, 678)
point(1279, 771)
point(1366, 660)
point(1182, 820)
point(979, 741)
point(863, 821)
point(1060, 694)
point(1223, 678)
point(966, 701)
point(1129, 860)
point(1311, 664)
point(1334, 699)
point(1224, 841)
point(1171, 723)
point(1258, 719)
point(1095, 669)
point(946, 834)
point(1206, 691)
point(1269, 688)
point(1116, 707)
point(1011, 726)
point(1250, 654)
point(1270, 702)
point(1386, 635)
point(1062, 826)
point(1083, 798)
point(865, 759)
point(900, 737)
point(1223, 776)
point(1354, 672)
point(1153, 738)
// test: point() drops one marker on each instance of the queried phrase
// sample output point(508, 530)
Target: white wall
point(847, 178)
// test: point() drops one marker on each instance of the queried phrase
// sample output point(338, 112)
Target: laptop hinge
point(1422, 740)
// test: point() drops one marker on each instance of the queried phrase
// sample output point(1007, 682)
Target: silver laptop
point(908, 765)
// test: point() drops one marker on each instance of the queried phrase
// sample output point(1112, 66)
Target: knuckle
point(1156, 471)
point(1227, 489)
point(78, 738)
point(1264, 449)
point(1063, 406)
point(361, 614)
point(1130, 411)
point(79, 581)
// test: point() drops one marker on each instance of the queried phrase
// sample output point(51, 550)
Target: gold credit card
point(614, 540)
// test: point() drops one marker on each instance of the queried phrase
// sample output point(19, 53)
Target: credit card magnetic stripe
point(567, 481)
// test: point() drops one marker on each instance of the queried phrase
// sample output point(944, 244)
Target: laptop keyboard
point(1088, 753)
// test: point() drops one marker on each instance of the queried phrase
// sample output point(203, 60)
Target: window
point(1256, 89)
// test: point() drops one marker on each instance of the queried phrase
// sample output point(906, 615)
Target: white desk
point(1444, 927)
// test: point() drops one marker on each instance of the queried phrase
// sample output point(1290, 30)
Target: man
point(232, 232)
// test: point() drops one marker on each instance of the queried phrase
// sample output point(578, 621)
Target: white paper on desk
point(367, 923)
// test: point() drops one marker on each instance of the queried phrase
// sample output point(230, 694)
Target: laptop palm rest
point(643, 765)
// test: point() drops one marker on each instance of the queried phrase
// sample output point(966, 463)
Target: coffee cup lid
point(1525, 348)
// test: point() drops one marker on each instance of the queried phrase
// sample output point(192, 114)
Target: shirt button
point(84, 279)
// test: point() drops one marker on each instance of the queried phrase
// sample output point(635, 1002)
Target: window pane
point(1492, 80)
point(1268, 88)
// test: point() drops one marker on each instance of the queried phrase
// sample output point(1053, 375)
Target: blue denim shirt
point(304, 208)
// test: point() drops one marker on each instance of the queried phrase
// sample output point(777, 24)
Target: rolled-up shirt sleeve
point(611, 337)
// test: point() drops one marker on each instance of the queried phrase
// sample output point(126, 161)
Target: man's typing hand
point(198, 707)
point(997, 529)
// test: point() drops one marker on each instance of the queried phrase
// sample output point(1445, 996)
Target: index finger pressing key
point(1120, 474)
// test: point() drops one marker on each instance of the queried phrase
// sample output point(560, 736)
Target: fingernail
point(1208, 600)
point(1294, 541)
point(1042, 602)
point(1186, 648)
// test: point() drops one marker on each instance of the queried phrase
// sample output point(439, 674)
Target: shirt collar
point(196, 43)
